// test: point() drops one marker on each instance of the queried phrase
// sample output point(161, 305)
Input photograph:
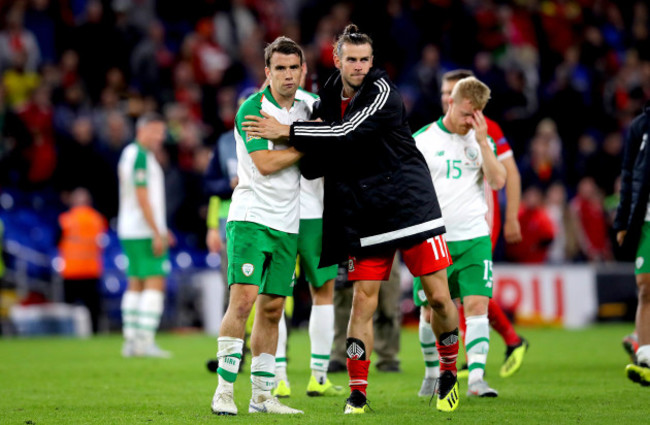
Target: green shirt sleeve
point(140, 168)
point(252, 106)
point(494, 145)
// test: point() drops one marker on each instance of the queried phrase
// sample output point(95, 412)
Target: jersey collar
point(442, 126)
point(267, 94)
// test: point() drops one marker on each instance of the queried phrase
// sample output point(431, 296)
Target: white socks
point(149, 313)
point(429, 350)
point(281, 352)
point(477, 345)
point(262, 376)
point(229, 356)
point(643, 354)
point(321, 335)
point(130, 304)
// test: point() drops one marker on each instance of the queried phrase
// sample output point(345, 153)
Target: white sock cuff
point(152, 300)
point(321, 330)
point(426, 333)
point(130, 300)
point(263, 363)
point(477, 320)
point(643, 354)
point(281, 350)
point(229, 346)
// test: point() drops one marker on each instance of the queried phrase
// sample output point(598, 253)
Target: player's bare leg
point(360, 341)
point(444, 320)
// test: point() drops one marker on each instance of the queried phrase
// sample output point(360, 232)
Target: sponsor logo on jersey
point(471, 153)
point(140, 175)
point(247, 269)
point(249, 137)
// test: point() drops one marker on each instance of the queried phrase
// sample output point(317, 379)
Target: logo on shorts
point(247, 269)
point(639, 262)
point(422, 296)
point(351, 264)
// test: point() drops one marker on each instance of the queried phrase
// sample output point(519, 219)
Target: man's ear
point(267, 72)
point(337, 61)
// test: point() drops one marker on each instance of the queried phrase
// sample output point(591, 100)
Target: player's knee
point(272, 311)
point(438, 302)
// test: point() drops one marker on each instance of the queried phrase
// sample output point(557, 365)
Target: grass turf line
point(568, 377)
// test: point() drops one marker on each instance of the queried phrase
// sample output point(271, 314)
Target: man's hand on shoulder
point(266, 127)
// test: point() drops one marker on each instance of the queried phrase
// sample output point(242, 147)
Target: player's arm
point(383, 110)
point(213, 237)
point(511, 227)
point(142, 196)
point(269, 162)
point(630, 152)
point(256, 128)
point(493, 171)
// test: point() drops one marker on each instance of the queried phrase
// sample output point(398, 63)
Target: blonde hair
point(472, 89)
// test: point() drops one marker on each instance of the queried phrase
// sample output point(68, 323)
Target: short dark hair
point(149, 118)
point(351, 35)
point(283, 45)
point(457, 74)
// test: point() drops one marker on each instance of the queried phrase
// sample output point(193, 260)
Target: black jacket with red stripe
point(378, 190)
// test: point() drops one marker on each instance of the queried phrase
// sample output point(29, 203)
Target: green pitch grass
point(574, 377)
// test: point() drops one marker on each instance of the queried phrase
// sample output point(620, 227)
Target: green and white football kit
point(138, 167)
point(455, 162)
point(141, 310)
point(270, 201)
point(642, 260)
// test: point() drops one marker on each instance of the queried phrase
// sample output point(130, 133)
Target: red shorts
point(426, 257)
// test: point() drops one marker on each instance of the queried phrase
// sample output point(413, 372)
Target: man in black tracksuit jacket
point(379, 197)
point(632, 225)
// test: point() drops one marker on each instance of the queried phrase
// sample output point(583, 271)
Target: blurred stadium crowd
point(567, 78)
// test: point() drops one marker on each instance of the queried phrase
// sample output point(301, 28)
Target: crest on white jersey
point(471, 153)
point(247, 269)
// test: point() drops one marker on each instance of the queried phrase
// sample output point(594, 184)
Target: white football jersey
point(455, 162)
point(138, 167)
point(273, 200)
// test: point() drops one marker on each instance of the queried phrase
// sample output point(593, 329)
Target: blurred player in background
point(461, 155)
point(516, 345)
point(142, 229)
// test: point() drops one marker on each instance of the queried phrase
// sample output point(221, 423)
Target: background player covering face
point(516, 345)
point(460, 155)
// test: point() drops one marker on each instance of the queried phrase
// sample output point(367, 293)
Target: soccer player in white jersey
point(321, 285)
point(142, 229)
point(460, 155)
point(262, 233)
